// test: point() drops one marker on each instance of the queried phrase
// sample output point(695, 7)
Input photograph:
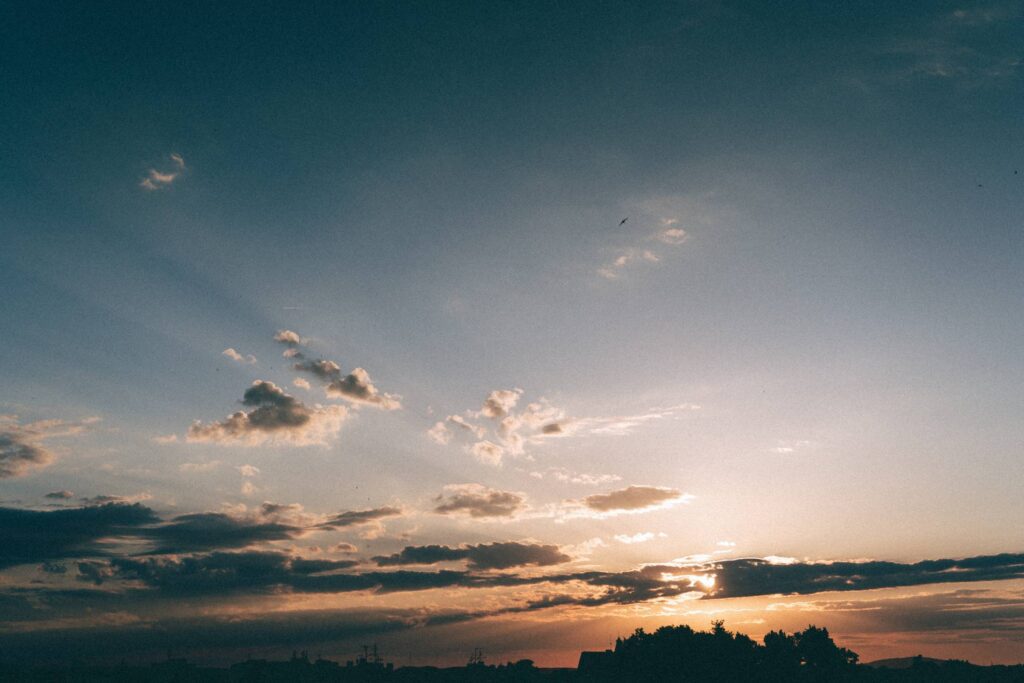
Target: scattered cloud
point(274, 417)
point(487, 452)
point(349, 518)
point(498, 429)
point(633, 499)
point(107, 498)
point(196, 467)
point(248, 359)
point(21, 448)
point(32, 536)
point(158, 180)
point(639, 538)
point(355, 387)
point(570, 477)
point(165, 439)
point(478, 501)
point(785, 447)
point(483, 556)
point(248, 470)
point(301, 383)
point(214, 531)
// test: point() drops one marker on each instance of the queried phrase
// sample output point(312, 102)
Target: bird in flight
point(623, 221)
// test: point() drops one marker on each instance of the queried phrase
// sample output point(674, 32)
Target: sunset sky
point(509, 325)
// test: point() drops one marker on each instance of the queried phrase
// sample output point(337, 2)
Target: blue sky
point(803, 341)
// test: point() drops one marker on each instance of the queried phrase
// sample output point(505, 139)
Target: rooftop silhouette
point(671, 653)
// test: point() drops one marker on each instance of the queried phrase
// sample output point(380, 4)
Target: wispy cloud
point(21, 445)
point(158, 180)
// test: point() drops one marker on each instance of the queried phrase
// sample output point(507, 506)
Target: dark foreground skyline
point(672, 653)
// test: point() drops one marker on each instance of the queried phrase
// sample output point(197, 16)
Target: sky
point(509, 325)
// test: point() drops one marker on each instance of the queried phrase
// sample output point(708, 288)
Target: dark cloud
point(326, 370)
point(103, 499)
point(356, 517)
point(478, 501)
point(274, 415)
point(631, 498)
point(60, 495)
point(31, 536)
point(218, 572)
point(20, 453)
point(483, 556)
point(356, 386)
point(744, 577)
point(552, 428)
point(228, 573)
point(214, 531)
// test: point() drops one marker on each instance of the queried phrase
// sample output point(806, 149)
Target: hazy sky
point(298, 298)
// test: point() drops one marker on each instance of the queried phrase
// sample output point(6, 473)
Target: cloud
point(165, 439)
point(440, 433)
point(659, 222)
point(214, 531)
point(301, 383)
point(506, 431)
point(107, 498)
point(638, 538)
point(275, 417)
point(478, 501)
point(634, 499)
point(672, 236)
point(569, 477)
point(193, 467)
point(349, 518)
point(239, 358)
point(289, 338)
point(157, 180)
point(355, 386)
point(483, 556)
point(60, 495)
point(21, 449)
point(248, 470)
point(499, 402)
point(500, 430)
point(217, 572)
point(32, 536)
point(487, 452)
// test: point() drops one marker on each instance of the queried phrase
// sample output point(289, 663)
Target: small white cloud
point(248, 470)
point(248, 359)
point(199, 466)
point(248, 488)
point(440, 433)
point(301, 383)
point(164, 439)
point(642, 537)
point(488, 452)
point(158, 180)
point(672, 236)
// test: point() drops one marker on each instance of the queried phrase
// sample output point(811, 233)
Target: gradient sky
point(803, 344)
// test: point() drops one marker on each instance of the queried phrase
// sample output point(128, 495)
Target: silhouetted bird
point(623, 221)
